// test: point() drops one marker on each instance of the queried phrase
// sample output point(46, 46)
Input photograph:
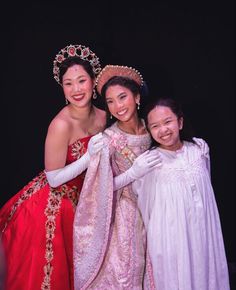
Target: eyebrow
point(79, 77)
point(120, 94)
point(150, 124)
point(166, 119)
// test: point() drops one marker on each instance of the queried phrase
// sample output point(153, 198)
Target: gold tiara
point(110, 71)
point(80, 51)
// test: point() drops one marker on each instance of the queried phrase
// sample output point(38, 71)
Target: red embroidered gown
point(37, 227)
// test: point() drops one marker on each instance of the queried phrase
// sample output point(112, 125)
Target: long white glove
point(143, 164)
point(59, 176)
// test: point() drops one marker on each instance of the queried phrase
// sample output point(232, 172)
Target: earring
point(66, 101)
point(110, 116)
point(138, 106)
point(94, 94)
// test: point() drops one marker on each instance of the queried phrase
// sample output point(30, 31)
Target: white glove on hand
point(95, 144)
point(59, 176)
point(143, 164)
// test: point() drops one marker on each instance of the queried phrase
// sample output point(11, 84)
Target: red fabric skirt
point(37, 230)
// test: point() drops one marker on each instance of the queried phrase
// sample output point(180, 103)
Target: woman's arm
point(56, 147)
point(56, 144)
point(143, 164)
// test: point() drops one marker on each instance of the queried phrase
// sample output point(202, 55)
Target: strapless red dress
point(36, 231)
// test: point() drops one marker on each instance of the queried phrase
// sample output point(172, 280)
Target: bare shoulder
point(60, 123)
point(57, 139)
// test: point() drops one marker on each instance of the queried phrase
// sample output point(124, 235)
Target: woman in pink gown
point(36, 224)
point(109, 235)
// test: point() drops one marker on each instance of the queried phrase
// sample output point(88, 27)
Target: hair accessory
point(110, 71)
point(82, 52)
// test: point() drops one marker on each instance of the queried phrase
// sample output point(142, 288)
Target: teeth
point(78, 97)
point(121, 112)
point(165, 137)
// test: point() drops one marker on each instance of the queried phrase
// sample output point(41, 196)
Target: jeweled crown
point(110, 71)
point(82, 52)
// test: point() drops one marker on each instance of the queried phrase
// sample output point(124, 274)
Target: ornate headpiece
point(82, 52)
point(110, 71)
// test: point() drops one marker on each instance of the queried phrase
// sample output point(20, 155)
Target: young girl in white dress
point(178, 206)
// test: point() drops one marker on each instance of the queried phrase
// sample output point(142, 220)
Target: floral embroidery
point(118, 141)
point(51, 211)
point(128, 154)
point(73, 195)
point(37, 183)
point(78, 149)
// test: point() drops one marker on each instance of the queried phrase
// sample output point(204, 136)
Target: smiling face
point(77, 85)
point(122, 103)
point(164, 127)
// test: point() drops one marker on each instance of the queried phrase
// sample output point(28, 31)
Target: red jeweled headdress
point(82, 52)
point(110, 71)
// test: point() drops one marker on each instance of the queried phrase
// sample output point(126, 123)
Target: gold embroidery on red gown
point(53, 206)
point(39, 206)
point(39, 181)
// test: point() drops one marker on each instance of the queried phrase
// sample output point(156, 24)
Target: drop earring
point(94, 94)
point(138, 106)
point(110, 116)
point(66, 101)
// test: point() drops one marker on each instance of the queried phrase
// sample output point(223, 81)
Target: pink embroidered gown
point(36, 226)
point(109, 236)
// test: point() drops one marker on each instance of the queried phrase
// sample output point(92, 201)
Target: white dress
point(184, 234)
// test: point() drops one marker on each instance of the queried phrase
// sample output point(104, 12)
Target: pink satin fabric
point(109, 236)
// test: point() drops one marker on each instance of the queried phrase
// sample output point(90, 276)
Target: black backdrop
point(182, 49)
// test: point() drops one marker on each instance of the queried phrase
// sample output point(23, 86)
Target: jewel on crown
point(82, 52)
point(110, 71)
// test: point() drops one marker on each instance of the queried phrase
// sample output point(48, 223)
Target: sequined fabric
point(109, 236)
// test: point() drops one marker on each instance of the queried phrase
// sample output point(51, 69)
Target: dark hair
point(70, 61)
point(186, 134)
point(128, 83)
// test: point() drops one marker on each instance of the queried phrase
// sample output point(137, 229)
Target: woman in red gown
point(36, 224)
